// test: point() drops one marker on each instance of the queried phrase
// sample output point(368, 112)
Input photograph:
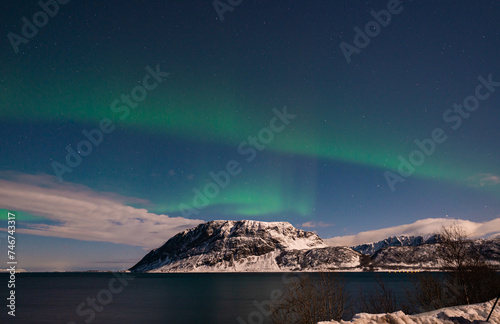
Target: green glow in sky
point(214, 117)
point(261, 190)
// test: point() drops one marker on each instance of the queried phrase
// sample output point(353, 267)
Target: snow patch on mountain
point(423, 257)
point(252, 246)
point(246, 246)
point(402, 240)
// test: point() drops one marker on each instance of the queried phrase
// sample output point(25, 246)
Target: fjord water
point(158, 298)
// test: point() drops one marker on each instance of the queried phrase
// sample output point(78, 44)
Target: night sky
point(175, 116)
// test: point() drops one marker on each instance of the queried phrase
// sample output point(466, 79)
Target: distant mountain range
point(402, 240)
point(253, 246)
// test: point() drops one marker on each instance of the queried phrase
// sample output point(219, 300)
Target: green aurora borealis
point(217, 116)
point(325, 172)
point(353, 121)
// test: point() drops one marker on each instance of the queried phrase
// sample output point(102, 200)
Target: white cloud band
point(77, 212)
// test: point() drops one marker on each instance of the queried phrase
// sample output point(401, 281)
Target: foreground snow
point(476, 313)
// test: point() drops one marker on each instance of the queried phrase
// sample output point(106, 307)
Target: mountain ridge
point(399, 240)
point(254, 246)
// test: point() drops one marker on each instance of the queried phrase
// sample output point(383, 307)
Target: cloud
point(421, 227)
point(313, 224)
point(484, 179)
point(78, 212)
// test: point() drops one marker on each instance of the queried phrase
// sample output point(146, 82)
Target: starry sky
point(177, 112)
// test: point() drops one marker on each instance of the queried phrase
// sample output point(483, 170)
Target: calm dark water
point(157, 298)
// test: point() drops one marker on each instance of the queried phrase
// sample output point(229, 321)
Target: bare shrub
point(475, 284)
point(456, 251)
point(468, 279)
point(380, 300)
point(429, 293)
point(311, 299)
point(473, 279)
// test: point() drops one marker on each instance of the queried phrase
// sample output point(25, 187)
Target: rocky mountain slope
point(246, 246)
point(241, 246)
point(402, 240)
point(423, 257)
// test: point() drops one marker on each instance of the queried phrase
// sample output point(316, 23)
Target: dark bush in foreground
point(379, 300)
point(468, 279)
point(311, 299)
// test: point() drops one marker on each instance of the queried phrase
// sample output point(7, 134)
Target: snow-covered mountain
point(218, 246)
point(423, 257)
point(241, 246)
point(488, 230)
point(402, 240)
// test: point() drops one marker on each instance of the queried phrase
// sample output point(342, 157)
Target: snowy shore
point(465, 314)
